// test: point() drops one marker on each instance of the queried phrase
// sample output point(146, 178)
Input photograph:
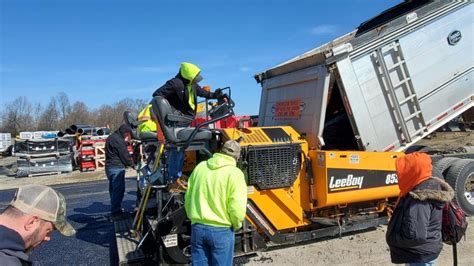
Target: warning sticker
point(170, 240)
point(288, 109)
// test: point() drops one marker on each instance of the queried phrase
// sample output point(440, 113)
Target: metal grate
point(270, 167)
point(256, 136)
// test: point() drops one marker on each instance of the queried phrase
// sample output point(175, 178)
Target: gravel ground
point(365, 248)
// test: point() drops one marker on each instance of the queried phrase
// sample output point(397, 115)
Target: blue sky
point(104, 50)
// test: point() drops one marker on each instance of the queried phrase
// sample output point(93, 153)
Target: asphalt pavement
point(88, 207)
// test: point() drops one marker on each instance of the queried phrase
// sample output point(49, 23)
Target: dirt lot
point(9, 182)
point(450, 141)
point(366, 248)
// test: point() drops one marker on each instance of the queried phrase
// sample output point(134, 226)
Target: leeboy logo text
point(349, 182)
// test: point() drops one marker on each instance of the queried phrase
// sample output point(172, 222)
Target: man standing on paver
point(215, 202)
point(29, 220)
point(117, 158)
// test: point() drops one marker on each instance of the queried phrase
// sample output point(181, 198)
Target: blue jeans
point(421, 263)
point(175, 163)
point(211, 245)
point(116, 177)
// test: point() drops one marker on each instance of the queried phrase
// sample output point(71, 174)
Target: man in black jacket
point(117, 158)
point(182, 90)
point(414, 230)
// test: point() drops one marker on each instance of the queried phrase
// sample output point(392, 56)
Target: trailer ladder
point(406, 95)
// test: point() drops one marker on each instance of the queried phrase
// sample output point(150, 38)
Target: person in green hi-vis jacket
point(215, 202)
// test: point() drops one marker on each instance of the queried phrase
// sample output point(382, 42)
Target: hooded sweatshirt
point(412, 169)
point(12, 248)
point(116, 152)
point(414, 230)
point(217, 193)
point(180, 91)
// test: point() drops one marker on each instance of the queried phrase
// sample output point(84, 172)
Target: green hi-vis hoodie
point(217, 193)
point(189, 72)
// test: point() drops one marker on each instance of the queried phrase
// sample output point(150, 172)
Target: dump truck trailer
point(332, 122)
point(393, 81)
point(383, 86)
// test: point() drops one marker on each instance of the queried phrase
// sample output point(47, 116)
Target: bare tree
point(80, 113)
point(20, 115)
point(37, 112)
point(17, 116)
point(49, 119)
point(132, 105)
point(105, 116)
point(64, 108)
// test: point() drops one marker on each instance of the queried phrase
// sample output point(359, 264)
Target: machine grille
point(256, 136)
point(270, 167)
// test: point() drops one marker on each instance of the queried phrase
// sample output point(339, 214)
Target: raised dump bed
point(382, 87)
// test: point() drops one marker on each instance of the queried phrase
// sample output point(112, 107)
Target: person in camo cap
point(34, 213)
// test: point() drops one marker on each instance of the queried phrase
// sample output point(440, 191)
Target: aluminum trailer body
point(391, 82)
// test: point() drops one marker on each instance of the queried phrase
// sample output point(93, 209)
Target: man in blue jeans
point(215, 202)
point(117, 158)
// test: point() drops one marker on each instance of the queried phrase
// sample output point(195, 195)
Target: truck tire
point(418, 148)
point(444, 163)
point(437, 173)
point(461, 178)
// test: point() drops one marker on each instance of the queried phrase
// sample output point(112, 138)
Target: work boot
point(120, 215)
point(180, 185)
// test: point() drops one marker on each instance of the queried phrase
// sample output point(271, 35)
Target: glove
point(218, 93)
point(223, 98)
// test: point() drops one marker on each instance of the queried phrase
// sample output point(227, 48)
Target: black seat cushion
point(183, 134)
point(148, 136)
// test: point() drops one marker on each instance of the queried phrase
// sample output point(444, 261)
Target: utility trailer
point(332, 122)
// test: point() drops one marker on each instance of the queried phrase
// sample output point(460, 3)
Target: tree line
point(22, 115)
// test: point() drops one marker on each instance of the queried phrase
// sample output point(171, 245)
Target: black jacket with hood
point(12, 248)
point(177, 95)
point(116, 152)
point(414, 231)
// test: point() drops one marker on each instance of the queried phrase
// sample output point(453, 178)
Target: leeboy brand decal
point(348, 182)
point(340, 180)
point(454, 37)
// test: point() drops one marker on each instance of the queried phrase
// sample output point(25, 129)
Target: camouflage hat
point(46, 203)
point(231, 148)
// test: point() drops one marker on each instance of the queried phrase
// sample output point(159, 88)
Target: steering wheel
point(224, 106)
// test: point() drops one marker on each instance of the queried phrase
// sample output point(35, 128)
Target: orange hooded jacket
point(412, 169)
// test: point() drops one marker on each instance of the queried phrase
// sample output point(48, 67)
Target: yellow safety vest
point(148, 125)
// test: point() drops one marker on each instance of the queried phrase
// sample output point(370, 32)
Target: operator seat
point(175, 125)
point(132, 121)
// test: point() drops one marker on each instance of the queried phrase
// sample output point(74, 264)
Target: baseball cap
point(46, 203)
point(231, 148)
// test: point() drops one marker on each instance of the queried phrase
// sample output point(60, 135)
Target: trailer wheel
point(461, 177)
point(444, 163)
point(436, 173)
